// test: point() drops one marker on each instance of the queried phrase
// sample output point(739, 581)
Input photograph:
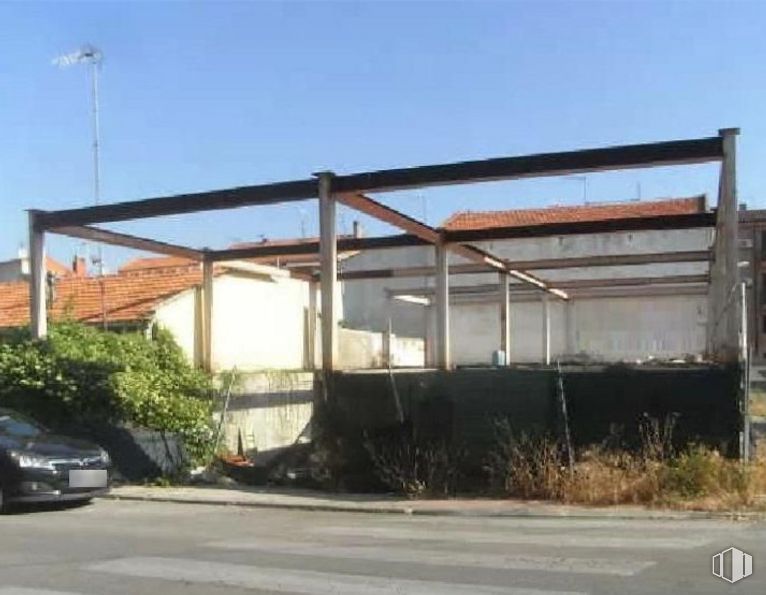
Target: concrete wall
point(461, 407)
point(360, 349)
point(262, 323)
point(258, 322)
point(269, 410)
point(601, 329)
point(604, 328)
point(365, 349)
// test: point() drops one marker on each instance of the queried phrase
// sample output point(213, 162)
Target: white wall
point(258, 322)
point(604, 329)
point(614, 328)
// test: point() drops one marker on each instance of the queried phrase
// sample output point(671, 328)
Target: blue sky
point(198, 96)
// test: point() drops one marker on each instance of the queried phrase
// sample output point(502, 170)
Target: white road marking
point(396, 553)
point(576, 523)
point(510, 538)
point(27, 591)
point(294, 581)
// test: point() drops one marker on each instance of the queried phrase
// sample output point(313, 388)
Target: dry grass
point(697, 478)
point(758, 404)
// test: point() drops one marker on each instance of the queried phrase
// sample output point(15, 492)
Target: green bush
point(83, 375)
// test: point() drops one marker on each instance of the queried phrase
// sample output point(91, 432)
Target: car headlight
point(105, 457)
point(29, 460)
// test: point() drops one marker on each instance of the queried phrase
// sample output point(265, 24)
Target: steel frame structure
point(330, 189)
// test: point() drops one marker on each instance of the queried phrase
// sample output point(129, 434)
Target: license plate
point(87, 478)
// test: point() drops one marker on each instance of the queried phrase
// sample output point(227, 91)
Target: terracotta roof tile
point(595, 212)
point(128, 298)
point(54, 266)
point(142, 265)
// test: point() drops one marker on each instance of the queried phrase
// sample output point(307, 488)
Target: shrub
point(524, 465)
point(416, 467)
point(81, 375)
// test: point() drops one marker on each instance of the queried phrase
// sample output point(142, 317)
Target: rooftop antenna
point(93, 57)
point(638, 190)
point(302, 214)
point(584, 180)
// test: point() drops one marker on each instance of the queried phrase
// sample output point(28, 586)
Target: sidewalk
point(320, 501)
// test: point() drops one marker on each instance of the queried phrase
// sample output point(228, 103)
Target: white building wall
point(258, 323)
point(261, 323)
point(177, 315)
point(614, 328)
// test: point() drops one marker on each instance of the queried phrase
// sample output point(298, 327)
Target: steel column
point(328, 254)
point(443, 357)
point(37, 271)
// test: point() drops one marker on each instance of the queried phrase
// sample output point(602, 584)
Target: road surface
point(120, 547)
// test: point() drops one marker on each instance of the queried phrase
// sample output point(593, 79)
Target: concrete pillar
point(328, 253)
point(723, 315)
point(37, 273)
point(505, 317)
point(207, 315)
point(546, 329)
point(570, 324)
point(311, 330)
point(443, 356)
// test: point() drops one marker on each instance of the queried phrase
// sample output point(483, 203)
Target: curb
point(651, 515)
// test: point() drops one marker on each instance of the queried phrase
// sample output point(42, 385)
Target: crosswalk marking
point(295, 581)
point(510, 538)
point(573, 523)
point(397, 553)
point(27, 591)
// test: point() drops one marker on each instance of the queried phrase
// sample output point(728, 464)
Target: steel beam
point(679, 152)
point(373, 208)
point(95, 234)
point(543, 264)
point(565, 284)
point(230, 198)
point(504, 168)
point(434, 236)
point(500, 233)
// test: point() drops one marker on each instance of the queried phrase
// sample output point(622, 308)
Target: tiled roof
point(55, 267)
point(594, 212)
point(143, 265)
point(128, 298)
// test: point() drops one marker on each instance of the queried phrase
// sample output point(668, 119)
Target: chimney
point(358, 229)
point(79, 266)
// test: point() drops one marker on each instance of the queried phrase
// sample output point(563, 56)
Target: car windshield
point(13, 424)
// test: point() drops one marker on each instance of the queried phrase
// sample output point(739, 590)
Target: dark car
point(38, 466)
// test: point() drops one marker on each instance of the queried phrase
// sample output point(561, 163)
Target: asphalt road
point(118, 547)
